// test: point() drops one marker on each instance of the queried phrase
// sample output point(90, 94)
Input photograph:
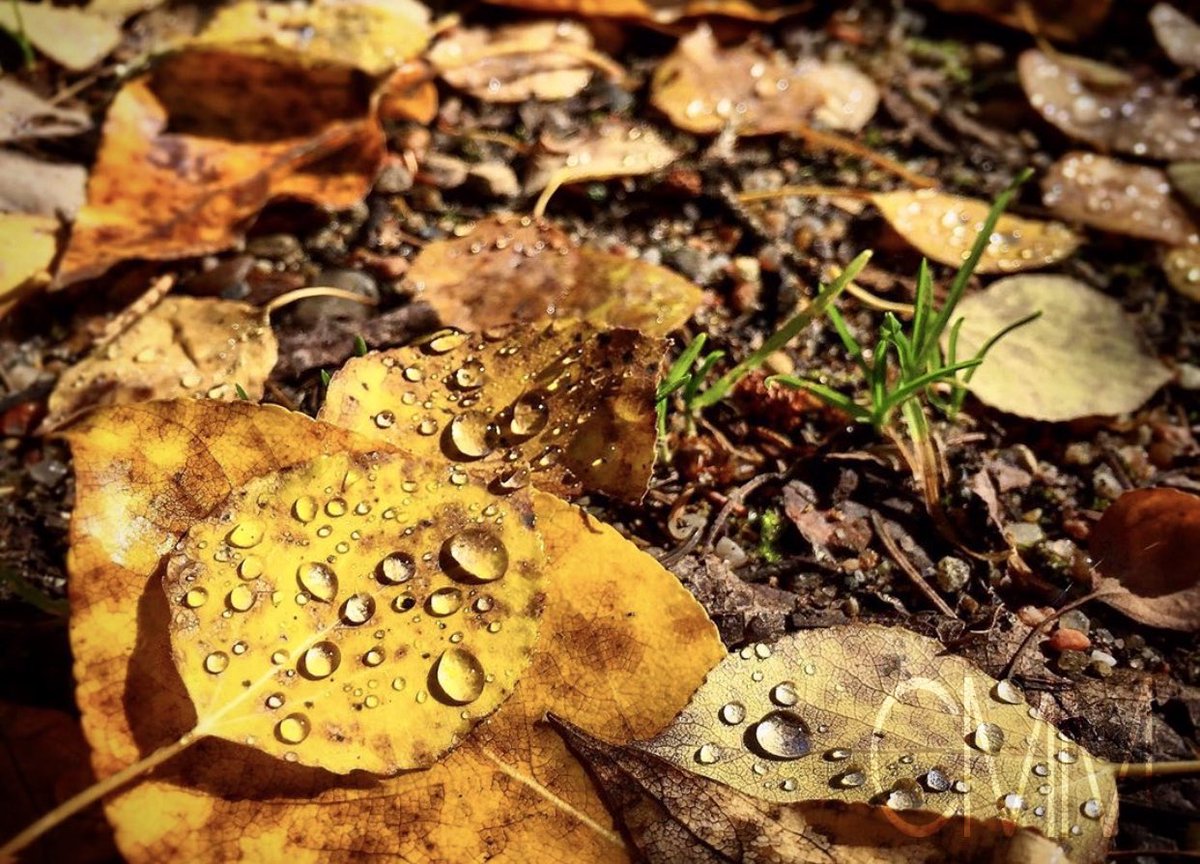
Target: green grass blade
point(853, 348)
point(826, 394)
point(677, 375)
point(922, 308)
point(693, 384)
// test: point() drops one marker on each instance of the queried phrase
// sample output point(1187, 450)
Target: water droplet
point(358, 609)
point(837, 754)
point(810, 669)
point(1039, 811)
point(708, 754)
point(1012, 802)
point(962, 787)
point(413, 374)
point(732, 713)
point(759, 768)
point(445, 340)
point(404, 602)
point(530, 414)
point(246, 534)
point(493, 627)
point(851, 778)
point(1007, 692)
point(483, 604)
point(512, 479)
point(988, 737)
point(1041, 769)
point(469, 375)
point(321, 660)
point(239, 648)
point(304, 508)
point(782, 735)
point(216, 662)
point(936, 779)
point(1066, 757)
point(1075, 831)
point(399, 684)
point(240, 599)
point(468, 434)
point(195, 598)
point(373, 657)
point(372, 701)
point(459, 676)
point(318, 579)
point(324, 531)
point(761, 651)
point(784, 693)
point(476, 554)
point(275, 700)
point(444, 601)
point(905, 795)
point(788, 784)
point(1091, 808)
point(292, 729)
point(396, 568)
point(906, 759)
point(427, 426)
point(279, 657)
point(251, 567)
point(336, 507)
point(385, 419)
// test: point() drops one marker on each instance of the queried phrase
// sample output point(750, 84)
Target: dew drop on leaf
point(782, 735)
point(246, 534)
point(251, 567)
point(373, 657)
point(988, 737)
point(216, 662)
point(905, 795)
point(321, 660)
point(318, 579)
point(275, 700)
point(1091, 808)
point(304, 508)
point(396, 568)
point(468, 435)
point(459, 676)
point(240, 599)
point(1066, 757)
point(292, 729)
point(529, 415)
point(444, 601)
point(477, 555)
point(732, 713)
point(1007, 692)
point(851, 778)
point(936, 779)
point(837, 754)
point(708, 754)
point(336, 507)
point(195, 598)
point(1012, 802)
point(785, 694)
point(358, 609)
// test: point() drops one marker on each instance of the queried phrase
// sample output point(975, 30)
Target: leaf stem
point(1147, 770)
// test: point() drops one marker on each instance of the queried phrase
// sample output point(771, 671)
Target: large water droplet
point(240, 599)
point(195, 598)
point(988, 737)
point(292, 729)
point(321, 660)
point(251, 567)
point(851, 778)
point(358, 609)
point(475, 555)
point(396, 568)
point(469, 375)
point(216, 662)
point(318, 579)
point(336, 507)
point(732, 713)
point(782, 735)
point(905, 795)
point(708, 754)
point(246, 533)
point(468, 435)
point(530, 414)
point(304, 508)
point(458, 676)
point(1091, 808)
point(784, 693)
point(1066, 757)
point(1007, 692)
point(444, 601)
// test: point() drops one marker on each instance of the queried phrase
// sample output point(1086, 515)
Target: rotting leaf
point(184, 346)
point(673, 815)
point(704, 89)
point(27, 246)
point(1177, 34)
point(212, 155)
point(943, 227)
point(608, 658)
point(1057, 19)
point(544, 60)
point(73, 38)
point(1145, 546)
point(1182, 268)
point(1084, 354)
point(881, 715)
point(25, 116)
point(660, 11)
point(510, 270)
point(561, 406)
point(1109, 109)
point(1116, 196)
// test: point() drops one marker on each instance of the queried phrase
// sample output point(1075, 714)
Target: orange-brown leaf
point(660, 11)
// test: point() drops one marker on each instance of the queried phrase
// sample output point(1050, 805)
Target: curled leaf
point(943, 227)
point(1178, 34)
point(1083, 353)
point(563, 407)
point(1145, 545)
point(185, 346)
point(880, 715)
point(508, 270)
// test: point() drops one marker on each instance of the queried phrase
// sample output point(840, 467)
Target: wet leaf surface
point(1083, 352)
point(184, 346)
point(1177, 34)
point(1145, 543)
point(27, 246)
point(868, 714)
point(563, 407)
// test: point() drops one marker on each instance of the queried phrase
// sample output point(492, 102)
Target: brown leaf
point(660, 11)
point(678, 817)
point(213, 153)
point(1116, 196)
point(29, 185)
point(704, 89)
point(510, 270)
point(743, 611)
point(1109, 109)
point(1145, 545)
point(1178, 34)
point(409, 94)
point(25, 116)
point(1057, 19)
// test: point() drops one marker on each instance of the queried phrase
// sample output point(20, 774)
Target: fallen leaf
point(32, 186)
point(184, 346)
point(408, 94)
point(120, 10)
point(371, 35)
point(1084, 354)
point(1109, 109)
point(674, 815)
point(563, 406)
point(1145, 547)
point(1116, 196)
point(212, 154)
point(1177, 34)
point(510, 270)
point(27, 246)
point(25, 116)
point(544, 60)
point(704, 89)
point(1182, 268)
point(743, 611)
point(1185, 179)
point(660, 11)
point(1056, 19)
point(608, 658)
point(943, 227)
point(880, 715)
point(71, 37)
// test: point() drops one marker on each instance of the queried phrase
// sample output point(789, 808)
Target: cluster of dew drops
point(475, 556)
point(782, 735)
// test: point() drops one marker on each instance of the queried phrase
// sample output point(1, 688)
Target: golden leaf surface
point(510, 270)
point(184, 346)
point(27, 246)
point(879, 715)
point(943, 227)
point(610, 657)
point(564, 406)
point(73, 38)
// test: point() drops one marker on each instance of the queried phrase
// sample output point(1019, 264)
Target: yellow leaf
point(881, 715)
point(185, 346)
point(943, 227)
point(27, 246)
point(510, 270)
point(563, 406)
point(72, 38)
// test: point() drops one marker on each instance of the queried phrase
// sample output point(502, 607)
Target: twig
point(907, 566)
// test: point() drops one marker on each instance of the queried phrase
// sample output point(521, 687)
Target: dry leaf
point(1145, 545)
point(27, 246)
point(1116, 196)
point(1178, 34)
point(29, 185)
point(1109, 109)
point(943, 227)
point(545, 60)
point(608, 658)
point(1182, 268)
point(881, 715)
point(1057, 19)
point(120, 10)
point(660, 11)
point(508, 270)
point(184, 346)
point(212, 154)
point(704, 89)
point(562, 406)
point(72, 38)
point(675, 816)
point(371, 35)
point(408, 94)
point(1083, 353)
point(25, 116)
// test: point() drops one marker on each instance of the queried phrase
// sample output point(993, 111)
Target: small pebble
point(1025, 534)
point(1066, 639)
point(48, 472)
point(953, 574)
point(730, 552)
point(1075, 620)
point(1072, 662)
